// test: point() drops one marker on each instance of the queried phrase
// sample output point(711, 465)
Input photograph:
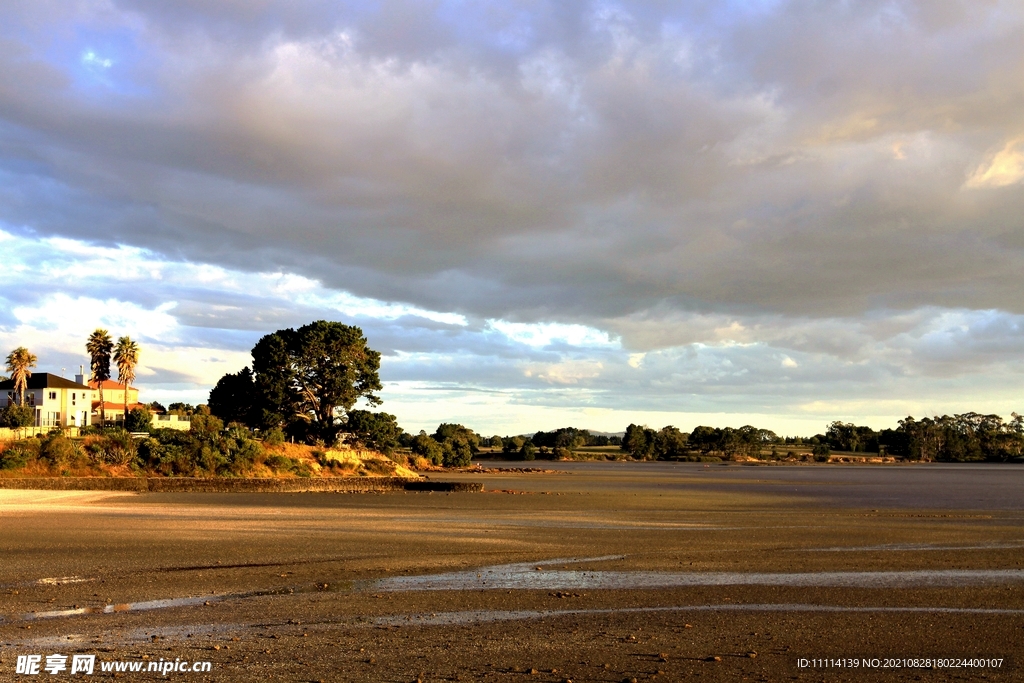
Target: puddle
point(533, 576)
point(538, 576)
point(484, 616)
point(908, 547)
point(61, 580)
point(126, 607)
point(111, 639)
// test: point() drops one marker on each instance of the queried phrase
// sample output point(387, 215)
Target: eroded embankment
point(197, 484)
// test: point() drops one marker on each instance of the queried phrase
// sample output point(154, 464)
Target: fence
point(7, 434)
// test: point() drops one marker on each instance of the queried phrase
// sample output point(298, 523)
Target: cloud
point(596, 192)
point(1005, 168)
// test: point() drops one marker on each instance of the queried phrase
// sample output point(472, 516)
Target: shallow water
point(484, 616)
point(537, 576)
point(533, 576)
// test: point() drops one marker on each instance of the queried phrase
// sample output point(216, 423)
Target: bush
point(139, 420)
point(60, 451)
point(19, 454)
point(281, 463)
point(15, 416)
point(379, 466)
point(119, 448)
point(426, 447)
point(273, 437)
point(456, 453)
point(821, 453)
point(528, 451)
point(377, 431)
point(206, 425)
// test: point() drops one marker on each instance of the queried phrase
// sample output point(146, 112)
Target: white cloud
point(1005, 168)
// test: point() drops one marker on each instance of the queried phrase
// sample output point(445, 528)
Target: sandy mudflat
point(604, 572)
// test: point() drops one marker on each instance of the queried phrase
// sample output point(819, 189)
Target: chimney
point(80, 377)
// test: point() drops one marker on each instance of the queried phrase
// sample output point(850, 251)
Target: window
point(53, 395)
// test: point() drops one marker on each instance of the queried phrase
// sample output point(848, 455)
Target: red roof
point(109, 384)
point(107, 405)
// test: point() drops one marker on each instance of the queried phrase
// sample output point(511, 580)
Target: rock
point(713, 659)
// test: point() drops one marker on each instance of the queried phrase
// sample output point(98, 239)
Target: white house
point(57, 402)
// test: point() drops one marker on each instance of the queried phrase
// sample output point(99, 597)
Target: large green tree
point(98, 346)
point(310, 378)
point(234, 399)
point(126, 356)
point(20, 363)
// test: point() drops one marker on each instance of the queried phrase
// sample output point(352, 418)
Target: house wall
point(56, 407)
point(171, 422)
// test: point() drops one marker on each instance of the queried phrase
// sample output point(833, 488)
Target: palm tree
point(18, 363)
point(126, 355)
point(98, 347)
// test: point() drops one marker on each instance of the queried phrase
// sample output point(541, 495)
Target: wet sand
point(602, 572)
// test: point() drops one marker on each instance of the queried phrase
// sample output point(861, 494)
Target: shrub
point(456, 452)
point(139, 420)
point(378, 431)
point(19, 454)
point(273, 437)
point(14, 416)
point(528, 451)
point(379, 466)
point(426, 447)
point(301, 468)
point(206, 425)
point(59, 451)
point(280, 463)
point(821, 452)
point(119, 448)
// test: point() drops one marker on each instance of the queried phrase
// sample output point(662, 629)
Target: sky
point(542, 213)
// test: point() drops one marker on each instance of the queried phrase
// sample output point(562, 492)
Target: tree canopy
point(305, 380)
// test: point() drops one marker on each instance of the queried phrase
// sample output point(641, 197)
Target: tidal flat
point(600, 571)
